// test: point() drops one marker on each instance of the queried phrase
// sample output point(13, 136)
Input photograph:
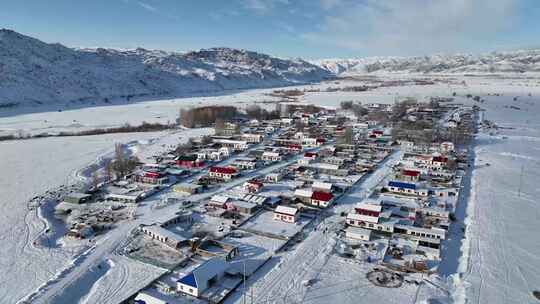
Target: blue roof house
point(402, 187)
point(202, 277)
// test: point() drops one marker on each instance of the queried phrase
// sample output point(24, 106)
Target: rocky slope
point(33, 72)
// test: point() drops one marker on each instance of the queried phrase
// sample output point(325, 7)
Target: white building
point(271, 157)
point(357, 233)
point(203, 277)
point(286, 214)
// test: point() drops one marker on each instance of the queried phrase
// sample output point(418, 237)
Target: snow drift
point(33, 72)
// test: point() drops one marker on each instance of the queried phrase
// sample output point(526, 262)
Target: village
point(378, 182)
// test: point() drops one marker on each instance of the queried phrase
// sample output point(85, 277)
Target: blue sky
point(287, 28)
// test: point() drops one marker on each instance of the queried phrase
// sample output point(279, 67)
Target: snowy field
point(502, 252)
point(504, 249)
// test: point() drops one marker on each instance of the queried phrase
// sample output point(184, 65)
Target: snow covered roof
point(322, 185)
point(162, 232)
point(220, 198)
point(243, 204)
point(224, 170)
point(369, 207)
point(322, 196)
point(401, 185)
point(363, 218)
point(358, 231)
point(325, 166)
point(303, 192)
point(271, 154)
point(205, 272)
point(286, 210)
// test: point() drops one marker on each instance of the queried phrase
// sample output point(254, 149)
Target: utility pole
point(520, 180)
point(244, 297)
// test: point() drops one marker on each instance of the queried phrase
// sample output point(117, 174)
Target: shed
point(357, 233)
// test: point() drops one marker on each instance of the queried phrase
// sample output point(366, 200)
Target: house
point(274, 177)
point(253, 138)
point(253, 186)
point(439, 161)
point(334, 160)
point(401, 187)
point(203, 277)
point(311, 155)
point(189, 161)
point(223, 173)
point(219, 201)
point(286, 214)
point(188, 188)
point(304, 161)
point(245, 163)
point(244, 207)
point(447, 147)
point(420, 232)
point(360, 220)
point(357, 233)
point(150, 177)
point(376, 134)
point(369, 222)
point(321, 199)
point(407, 146)
point(236, 145)
point(271, 157)
point(225, 151)
point(368, 209)
point(410, 175)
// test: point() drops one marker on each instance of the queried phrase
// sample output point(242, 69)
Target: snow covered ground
point(501, 248)
point(503, 252)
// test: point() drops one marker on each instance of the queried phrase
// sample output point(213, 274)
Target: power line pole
point(520, 180)
point(244, 289)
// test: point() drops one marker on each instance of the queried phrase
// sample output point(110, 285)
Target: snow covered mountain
point(496, 62)
point(34, 72)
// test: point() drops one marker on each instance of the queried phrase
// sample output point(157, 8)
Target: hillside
point(496, 62)
point(33, 72)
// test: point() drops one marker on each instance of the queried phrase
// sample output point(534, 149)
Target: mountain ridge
point(519, 61)
point(33, 72)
